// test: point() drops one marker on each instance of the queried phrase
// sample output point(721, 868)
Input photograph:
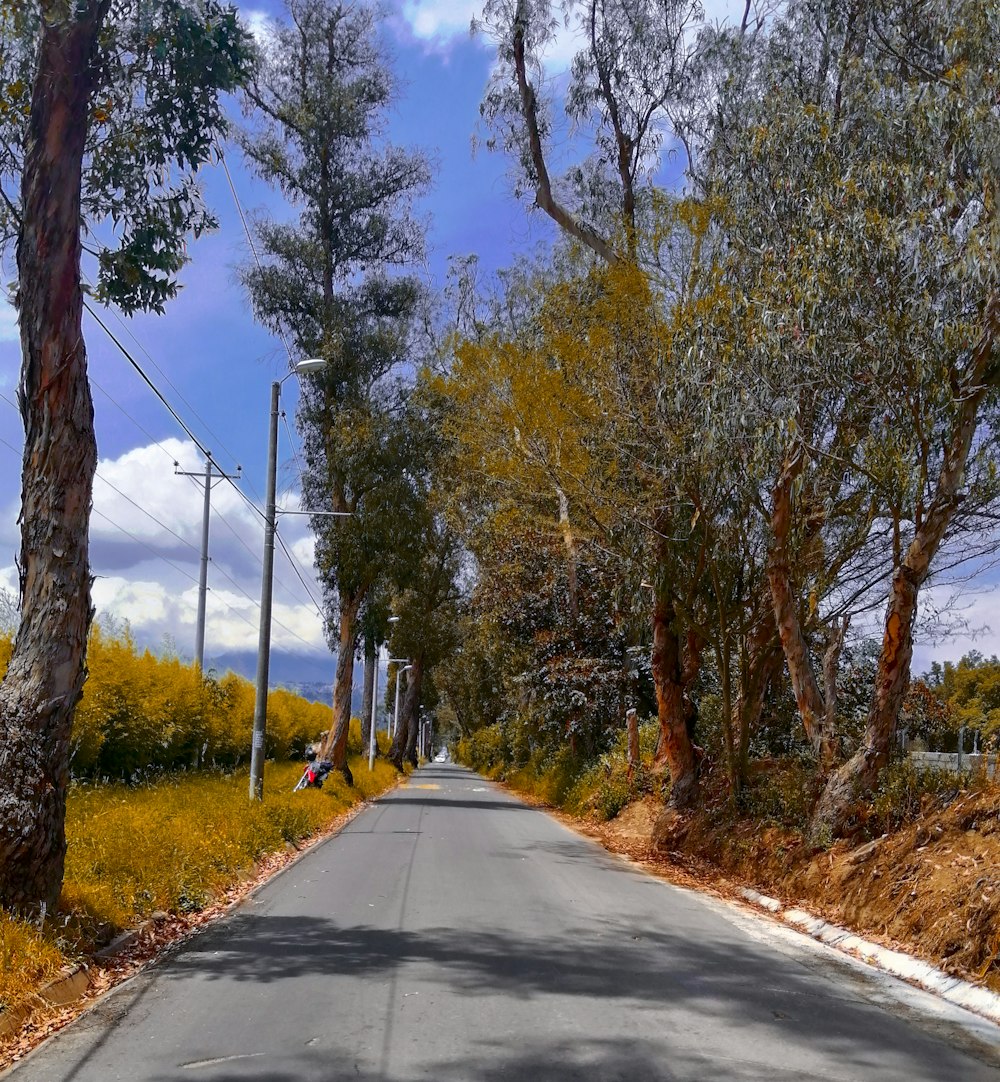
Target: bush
point(901, 792)
point(27, 960)
point(142, 714)
point(174, 844)
point(485, 751)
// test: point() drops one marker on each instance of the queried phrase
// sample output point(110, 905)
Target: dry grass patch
point(27, 960)
point(174, 846)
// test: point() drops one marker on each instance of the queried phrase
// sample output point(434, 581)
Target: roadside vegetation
point(149, 833)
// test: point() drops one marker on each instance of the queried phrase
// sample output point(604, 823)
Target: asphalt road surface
point(452, 933)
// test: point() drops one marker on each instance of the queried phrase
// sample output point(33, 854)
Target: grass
point(27, 960)
point(173, 846)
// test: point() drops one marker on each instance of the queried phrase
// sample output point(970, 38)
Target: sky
point(215, 367)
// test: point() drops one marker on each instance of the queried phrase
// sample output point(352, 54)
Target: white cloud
point(146, 552)
point(260, 23)
point(440, 22)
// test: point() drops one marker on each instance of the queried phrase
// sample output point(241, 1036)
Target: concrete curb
point(962, 993)
point(59, 991)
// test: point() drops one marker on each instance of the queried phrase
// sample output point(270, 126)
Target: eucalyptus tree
point(331, 280)
point(108, 109)
point(937, 83)
point(630, 72)
point(428, 618)
point(862, 265)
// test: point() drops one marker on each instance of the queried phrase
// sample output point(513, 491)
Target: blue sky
point(215, 366)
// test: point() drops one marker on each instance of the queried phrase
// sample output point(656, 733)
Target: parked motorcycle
point(316, 771)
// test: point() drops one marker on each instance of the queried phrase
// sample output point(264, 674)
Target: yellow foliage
point(141, 712)
point(172, 846)
point(27, 960)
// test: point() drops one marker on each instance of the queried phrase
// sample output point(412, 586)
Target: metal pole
point(371, 736)
point(199, 635)
point(266, 584)
point(395, 712)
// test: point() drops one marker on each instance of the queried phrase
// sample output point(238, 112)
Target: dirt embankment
point(931, 888)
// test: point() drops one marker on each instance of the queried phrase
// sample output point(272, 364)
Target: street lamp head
point(311, 364)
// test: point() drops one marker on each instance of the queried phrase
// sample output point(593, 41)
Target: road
point(452, 933)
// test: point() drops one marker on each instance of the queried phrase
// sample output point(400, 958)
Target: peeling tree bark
point(404, 744)
point(45, 677)
point(675, 751)
point(808, 697)
point(759, 667)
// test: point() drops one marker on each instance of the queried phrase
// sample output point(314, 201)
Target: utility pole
point(212, 473)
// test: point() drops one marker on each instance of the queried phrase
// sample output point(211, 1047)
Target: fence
point(953, 761)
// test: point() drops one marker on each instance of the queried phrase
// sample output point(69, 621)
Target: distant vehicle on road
point(442, 756)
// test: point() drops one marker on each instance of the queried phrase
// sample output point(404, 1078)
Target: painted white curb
point(959, 992)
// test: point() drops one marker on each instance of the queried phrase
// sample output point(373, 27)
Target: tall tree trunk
point(808, 696)
point(45, 677)
point(858, 776)
point(335, 748)
point(405, 741)
point(759, 665)
point(675, 750)
point(570, 542)
point(367, 695)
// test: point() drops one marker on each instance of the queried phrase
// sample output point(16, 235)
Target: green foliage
point(903, 792)
point(971, 690)
point(156, 114)
point(485, 750)
point(781, 792)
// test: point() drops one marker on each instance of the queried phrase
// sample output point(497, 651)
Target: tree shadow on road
point(750, 991)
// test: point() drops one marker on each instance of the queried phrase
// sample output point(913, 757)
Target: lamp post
point(399, 673)
point(372, 743)
point(314, 364)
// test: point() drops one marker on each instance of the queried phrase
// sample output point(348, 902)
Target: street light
point(399, 673)
point(313, 364)
point(372, 744)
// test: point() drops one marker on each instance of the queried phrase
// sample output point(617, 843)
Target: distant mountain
point(310, 677)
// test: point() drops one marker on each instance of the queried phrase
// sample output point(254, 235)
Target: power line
point(149, 383)
point(152, 360)
point(246, 229)
point(239, 589)
point(137, 424)
point(149, 548)
point(294, 565)
point(165, 527)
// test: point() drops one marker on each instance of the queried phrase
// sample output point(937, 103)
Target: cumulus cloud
point(441, 22)
point(146, 553)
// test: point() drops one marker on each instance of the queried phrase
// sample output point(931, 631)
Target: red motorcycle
point(315, 773)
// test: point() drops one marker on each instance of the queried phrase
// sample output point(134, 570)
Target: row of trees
point(338, 282)
point(762, 409)
point(108, 112)
point(142, 713)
